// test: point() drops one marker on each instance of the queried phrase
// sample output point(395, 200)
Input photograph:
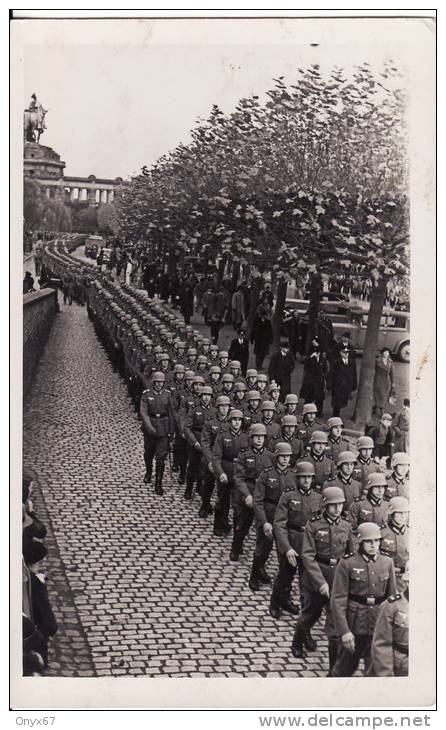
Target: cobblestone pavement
point(139, 583)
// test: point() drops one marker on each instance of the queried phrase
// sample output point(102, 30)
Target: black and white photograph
point(225, 234)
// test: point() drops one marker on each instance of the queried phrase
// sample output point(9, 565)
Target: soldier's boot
point(288, 605)
point(275, 604)
point(148, 474)
point(236, 547)
point(310, 643)
point(199, 487)
point(333, 648)
point(254, 583)
point(297, 646)
point(264, 577)
point(189, 487)
point(159, 472)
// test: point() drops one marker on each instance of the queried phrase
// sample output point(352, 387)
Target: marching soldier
point(211, 429)
point(270, 485)
point(274, 394)
point(202, 366)
point(252, 413)
point(365, 464)
point(213, 354)
point(390, 643)
point(158, 428)
point(226, 448)
point(268, 410)
point(370, 507)
point(327, 538)
point(235, 369)
point(227, 384)
point(238, 396)
point(398, 482)
point(288, 434)
point(362, 582)
point(248, 465)
point(214, 379)
point(291, 403)
point(336, 442)
point(192, 429)
point(262, 386)
point(395, 537)
point(344, 480)
point(293, 511)
point(251, 379)
point(223, 361)
point(191, 399)
point(308, 423)
point(191, 358)
point(323, 465)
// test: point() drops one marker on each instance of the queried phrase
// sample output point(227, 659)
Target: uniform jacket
point(352, 489)
point(324, 468)
point(324, 543)
point(364, 578)
point(194, 422)
point(293, 511)
point(306, 429)
point(250, 417)
point(390, 645)
point(363, 469)
point(363, 510)
point(269, 487)
point(156, 412)
point(211, 429)
point(396, 488)
point(226, 448)
point(247, 468)
point(296, 444)
point(395, 544)
point(335, 448)
point(272, 431)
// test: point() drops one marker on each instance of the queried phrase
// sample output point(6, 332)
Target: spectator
point(280, 368)
point(34, 555)
point(238, 310)
point(239, 350)
point(383, 435)
point(315, 372)
point(383, 382)
point(342, 380)
point(293, 329)
point(216, 312)
point(28, 283)
point(187, 300)
point(261, 336)
point(402, 427)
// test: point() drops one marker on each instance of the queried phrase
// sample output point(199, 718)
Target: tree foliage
point(42, 213)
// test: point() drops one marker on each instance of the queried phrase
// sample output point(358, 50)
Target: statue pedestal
point(41, 161)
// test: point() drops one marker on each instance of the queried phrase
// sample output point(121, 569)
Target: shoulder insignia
point(358, 499)
point(244, 449)
point(315, 518)
point(395, 597)
point(145, 391)
point(349, 555)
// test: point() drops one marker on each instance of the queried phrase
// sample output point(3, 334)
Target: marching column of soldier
point(333, 513)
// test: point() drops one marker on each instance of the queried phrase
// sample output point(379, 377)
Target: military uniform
point(296, 444)
point(250, 417)
point(273, 431)
point(363, 468)
point(248, 466)
point(368, 509)
point(158, 424)
point(351, 487)
point(211, 429)
point(192, 428)
point(395, 544)
point(324, 468)
point(396, 487)
point(336, 446)
point(305, 430)
point(360, 585)
point(390, 643)
point(226, 448)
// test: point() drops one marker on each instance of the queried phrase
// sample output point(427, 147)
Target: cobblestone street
point(139, 584)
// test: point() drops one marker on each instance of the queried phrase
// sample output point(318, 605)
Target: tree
point(106, 218)
point(86, 220)
point(42, 213)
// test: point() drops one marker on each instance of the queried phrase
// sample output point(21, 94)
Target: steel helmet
point(262, 378)
point(178, 368)
point(398, 504)
point(157, 349)
point(289, 421)
point(309, 408)
point(333, 495)
point(223, 400)
point(346, 457)
point(223, 353)
point(235, 413)
point(227, 378)
point(257, 429)
point(198, 379)
point(376, 479)
point(206, 341)
point(400, 457)
point(291, 398)
point(189, 375)
point(240, 386)
point(369, 531)
point(191, 351)
point(206, 390)
point(268, 405)
point(181, 345)
point(283, 449)
point(305, 469)
point(235, 364)
point(202, 359)
point(253, 395)
point(213, 348)
point(333, 422)
point(215, 369)
point(318, 437)
point(365, 442)
point(164, 356)
point(158, 376)
point(251, 373)
point(273, 386)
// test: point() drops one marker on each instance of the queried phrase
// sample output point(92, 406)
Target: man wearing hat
point(315, 373)
point(235, 369)
point(248, 465)
point(342, 379)
point(271, 483)
point(390, 642)
point(227, 384)
point(323, 465)
point(212, 427)
point(291, 403)
point(281, 365)
point(398, 482)
point(371, 507)
point(192, 428)
point(326, 540)
point(362, 582)
point(227, 446)
point(158, 424)
point(223, 361)
point(239, 350)
point(288, 434)
point(351, 487)
point(293, 511)
point(34, 554)
point(336, 442)
point(344, 344)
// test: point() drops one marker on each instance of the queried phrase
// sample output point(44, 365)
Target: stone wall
point(39, 311)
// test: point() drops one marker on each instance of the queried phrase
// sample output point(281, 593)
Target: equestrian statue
point(34, 120)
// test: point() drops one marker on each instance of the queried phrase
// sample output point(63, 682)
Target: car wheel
point(404, 352)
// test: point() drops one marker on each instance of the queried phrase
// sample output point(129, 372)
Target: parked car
point(330, 303)
point(92, 246)
point(106, 255)
point(394, 331)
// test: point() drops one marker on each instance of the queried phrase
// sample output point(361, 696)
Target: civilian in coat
point(383, 383)
point(261, 336)
point(402, 427)
point(239, 350)
point(187, 301)
point(315, 372)
point(280, 368)
point(238, 310)
point(216, 310)
point(342, 380)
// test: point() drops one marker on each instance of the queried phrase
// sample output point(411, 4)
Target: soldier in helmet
point(390, 642)
point(362, 582)
point(235, 369)
point(291, 403)
point(191, 358)
point(227, 446)
point(192, 428)
point(293, 511)
point(252, 412)
point(395, 537)
point(251, 379)
point(262, 386)
point(398, 482)
point(274, 396)
point(336, 442)
point(288, 434)
point(176, 388)
point(308, 423)
point(227, 384)
point(211, 429)
point(268, 410)
point(238, 396)
point(179, 398)
point(371, 507)
point(202, 365)
point(158, 427)
point(248, 465)
point(327, 538)
point(213, 355)
point(323, 465)
point(214, 379)
point(344, 480)
point(223, 361)
point(271, 483)
point(365, 464)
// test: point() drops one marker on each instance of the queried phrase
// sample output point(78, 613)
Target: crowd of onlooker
point(38, 620)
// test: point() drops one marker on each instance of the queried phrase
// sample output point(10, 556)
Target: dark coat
point(261, 335)
point(239, 352)
point(187, 300)
point(280, 369)
point(42, 612)
point(313, 383)
point(342, 380)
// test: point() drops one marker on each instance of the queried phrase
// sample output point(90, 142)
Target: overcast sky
point(115, 106)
